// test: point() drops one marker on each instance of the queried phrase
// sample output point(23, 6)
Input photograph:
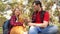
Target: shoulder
point(13, 16)
point(46, 12)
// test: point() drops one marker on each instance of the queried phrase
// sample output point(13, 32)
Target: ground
point(1, 32)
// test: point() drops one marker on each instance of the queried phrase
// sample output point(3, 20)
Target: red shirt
point(46, 17)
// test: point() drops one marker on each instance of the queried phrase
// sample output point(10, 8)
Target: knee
point(54, 29)
point(32, 28)
point(51, 30)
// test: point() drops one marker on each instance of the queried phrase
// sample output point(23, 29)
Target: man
point(40, 23)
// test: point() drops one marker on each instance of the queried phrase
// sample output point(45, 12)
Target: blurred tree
point(2, 6)
point(56, 13)
point(2, 20)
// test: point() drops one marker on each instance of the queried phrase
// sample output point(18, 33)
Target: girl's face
point(17, 12)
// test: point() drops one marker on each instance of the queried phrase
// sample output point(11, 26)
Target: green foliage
point(56, 13)
point(2, 6)
point(13, 4)
point(48, 5)
point(2, 20)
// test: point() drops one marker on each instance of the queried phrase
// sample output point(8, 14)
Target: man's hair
point(38, 3)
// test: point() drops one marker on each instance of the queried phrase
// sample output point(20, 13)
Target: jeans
point(47, 30)
point(6, 27)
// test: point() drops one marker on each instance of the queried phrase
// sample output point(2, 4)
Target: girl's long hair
point(13, 10)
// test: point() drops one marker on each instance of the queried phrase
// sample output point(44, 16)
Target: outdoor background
point(52, 6)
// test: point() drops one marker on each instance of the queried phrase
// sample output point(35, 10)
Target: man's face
point(35, 7)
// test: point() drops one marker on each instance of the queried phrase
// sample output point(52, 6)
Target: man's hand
point(31, 24)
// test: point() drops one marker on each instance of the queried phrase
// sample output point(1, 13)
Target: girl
point(17, 24)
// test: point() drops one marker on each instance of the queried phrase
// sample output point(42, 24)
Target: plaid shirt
point(13, 21)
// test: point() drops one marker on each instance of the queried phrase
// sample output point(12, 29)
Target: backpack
point(6, 24)
point(6, 27)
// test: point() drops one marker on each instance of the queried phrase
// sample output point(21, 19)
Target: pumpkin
point(17, 30)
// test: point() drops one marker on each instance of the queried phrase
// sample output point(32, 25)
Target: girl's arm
point(13, 21)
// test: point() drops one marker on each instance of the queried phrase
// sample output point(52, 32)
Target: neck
point(17, 16)
point(40, 9)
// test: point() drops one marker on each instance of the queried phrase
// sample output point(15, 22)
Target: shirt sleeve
point(46, 17)
point(13, 21)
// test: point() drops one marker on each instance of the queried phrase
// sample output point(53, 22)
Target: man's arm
point(40, 25)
